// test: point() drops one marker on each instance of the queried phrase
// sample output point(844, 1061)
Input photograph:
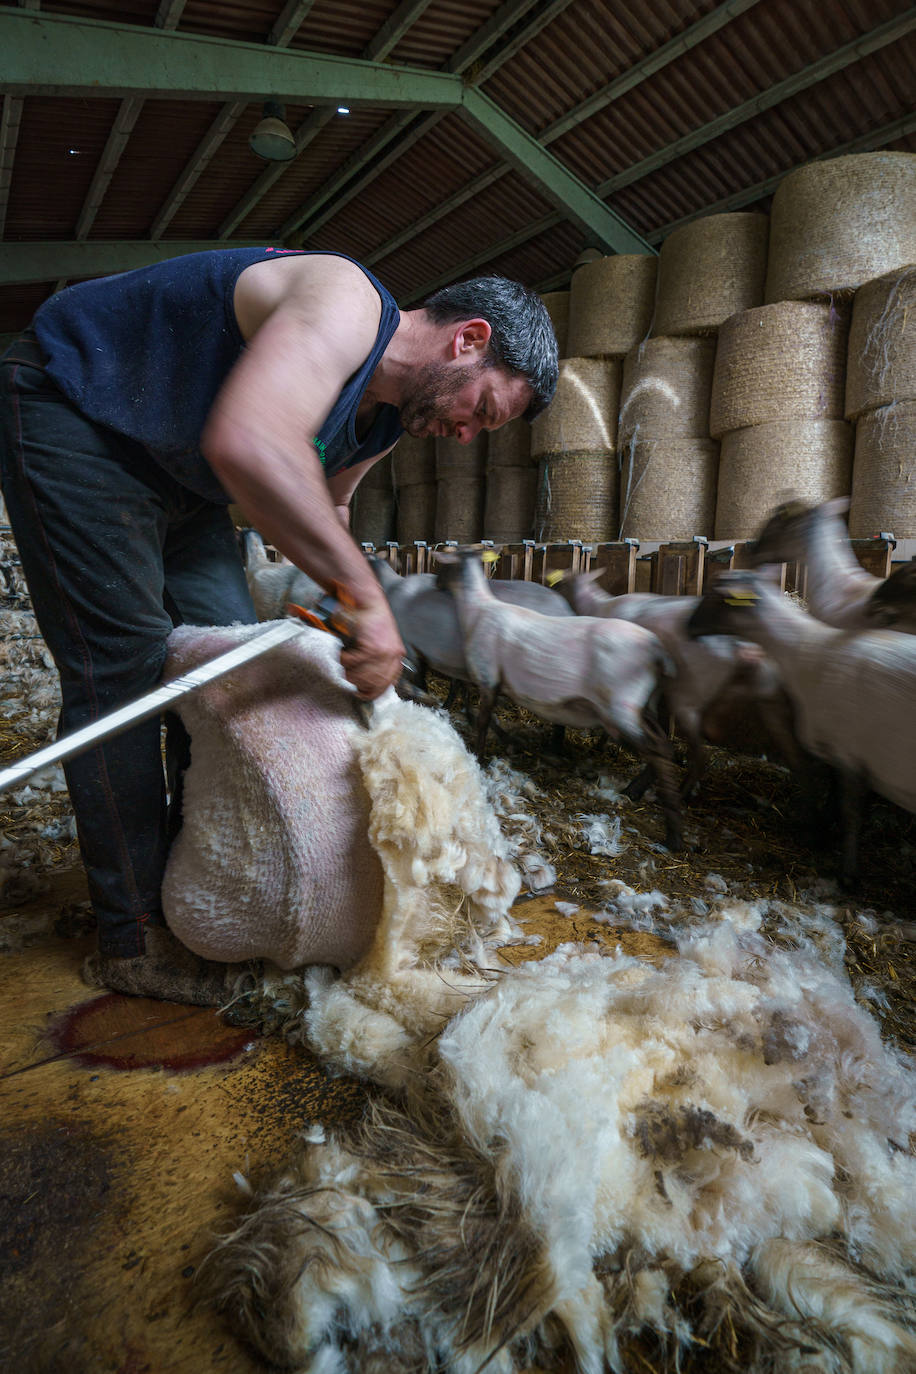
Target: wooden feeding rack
point(618, 561)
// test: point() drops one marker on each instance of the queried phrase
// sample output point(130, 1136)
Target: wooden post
point(619, 563)
point(550, 558)
point(742, 561)
point(875, 554)
point(717, 562)
point(681, 566)
point(421, 557)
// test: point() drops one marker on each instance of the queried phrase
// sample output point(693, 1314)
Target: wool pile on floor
point(709, 1149)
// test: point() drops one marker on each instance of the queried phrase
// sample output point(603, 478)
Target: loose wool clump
point(602, 1148)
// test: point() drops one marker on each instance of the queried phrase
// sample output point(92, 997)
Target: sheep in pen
point(567, 1161)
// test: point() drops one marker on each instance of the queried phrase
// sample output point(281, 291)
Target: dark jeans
point(115, 553)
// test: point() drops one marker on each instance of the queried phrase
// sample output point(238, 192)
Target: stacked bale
point(777, 405)
point(708, 270)
point(373, 518)
point(668, 463)
point(414, 464)
point(574, 442)
point(511, 484)
point(460, 489)
point(837, 224)
point(557, 303)
point(881, 398)
point(610, 305)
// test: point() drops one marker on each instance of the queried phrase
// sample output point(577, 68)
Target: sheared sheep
point(582, 671)
point(273, 585)
point(709, 674)
point(853, 694)
point(839, 591)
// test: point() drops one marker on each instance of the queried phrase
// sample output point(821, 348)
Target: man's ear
point(471, 337)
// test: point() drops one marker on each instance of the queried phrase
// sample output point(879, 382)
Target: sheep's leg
point(488, 697)
point(852, 798)
point(637, 787)
point(651, 743)
point(696, 766)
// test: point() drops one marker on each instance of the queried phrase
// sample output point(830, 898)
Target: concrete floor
point(122, 1121)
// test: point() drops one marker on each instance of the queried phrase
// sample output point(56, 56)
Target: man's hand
point(374, 661)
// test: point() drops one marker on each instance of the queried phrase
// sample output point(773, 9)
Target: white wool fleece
point(670, 1108)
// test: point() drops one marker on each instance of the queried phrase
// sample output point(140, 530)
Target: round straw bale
point(379, 477)
point(837, 224)
point(779, 362)
point(582, 416)
point(884, 473)
point(760, 466)
point(665, 390)
point(461, 461)
point(373, 520)
point(882, 343)
point(577, 496)
point(459, 509)
point(416, 512)
point(509, 510)
point(413, 460)
point(668, 487)
point(510, 445)
point(708, 270)
point(557, 303)
point(610, 305)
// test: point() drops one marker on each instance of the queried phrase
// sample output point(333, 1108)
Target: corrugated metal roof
point(661, 119)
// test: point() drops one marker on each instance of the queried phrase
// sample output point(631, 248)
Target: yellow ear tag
point(554, 577)
point(488, 556)
point(741, 599)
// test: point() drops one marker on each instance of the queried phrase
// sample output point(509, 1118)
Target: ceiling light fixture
point(343, 109)
point(272, 139)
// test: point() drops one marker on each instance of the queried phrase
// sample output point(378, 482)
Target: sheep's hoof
point(167, 971)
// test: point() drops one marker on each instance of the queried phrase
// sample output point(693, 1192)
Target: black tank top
point(145, 353)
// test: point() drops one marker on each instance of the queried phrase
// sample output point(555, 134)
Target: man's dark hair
point(522, 338)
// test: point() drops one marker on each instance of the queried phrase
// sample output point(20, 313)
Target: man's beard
point(433, 389)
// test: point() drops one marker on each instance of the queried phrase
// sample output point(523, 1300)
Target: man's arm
point(343, 484)
point(258, 440)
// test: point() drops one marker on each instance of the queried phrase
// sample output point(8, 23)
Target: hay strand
point(668, 487)
point(708, 270)
point(884, 473)
point(610, 305)
point(837, 224)
point(779, 362)
point(882, 344)
point(577, 497)
point(582, 417)
point(666, 389)
point(761, 465)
